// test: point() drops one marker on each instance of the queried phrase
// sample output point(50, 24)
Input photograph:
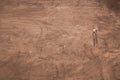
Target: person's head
point(94, 30)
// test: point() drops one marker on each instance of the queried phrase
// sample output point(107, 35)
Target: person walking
point(95, 37)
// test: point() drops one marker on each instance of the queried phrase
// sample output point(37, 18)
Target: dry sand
point(52, 40)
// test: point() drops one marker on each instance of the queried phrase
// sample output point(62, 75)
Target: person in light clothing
point(95, 37)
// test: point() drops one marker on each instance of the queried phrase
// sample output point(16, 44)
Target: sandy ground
point(54, 41)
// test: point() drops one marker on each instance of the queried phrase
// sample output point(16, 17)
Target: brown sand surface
point(52, 40)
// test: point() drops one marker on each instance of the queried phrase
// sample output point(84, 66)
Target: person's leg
point(94, 40)
point(94, 43)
